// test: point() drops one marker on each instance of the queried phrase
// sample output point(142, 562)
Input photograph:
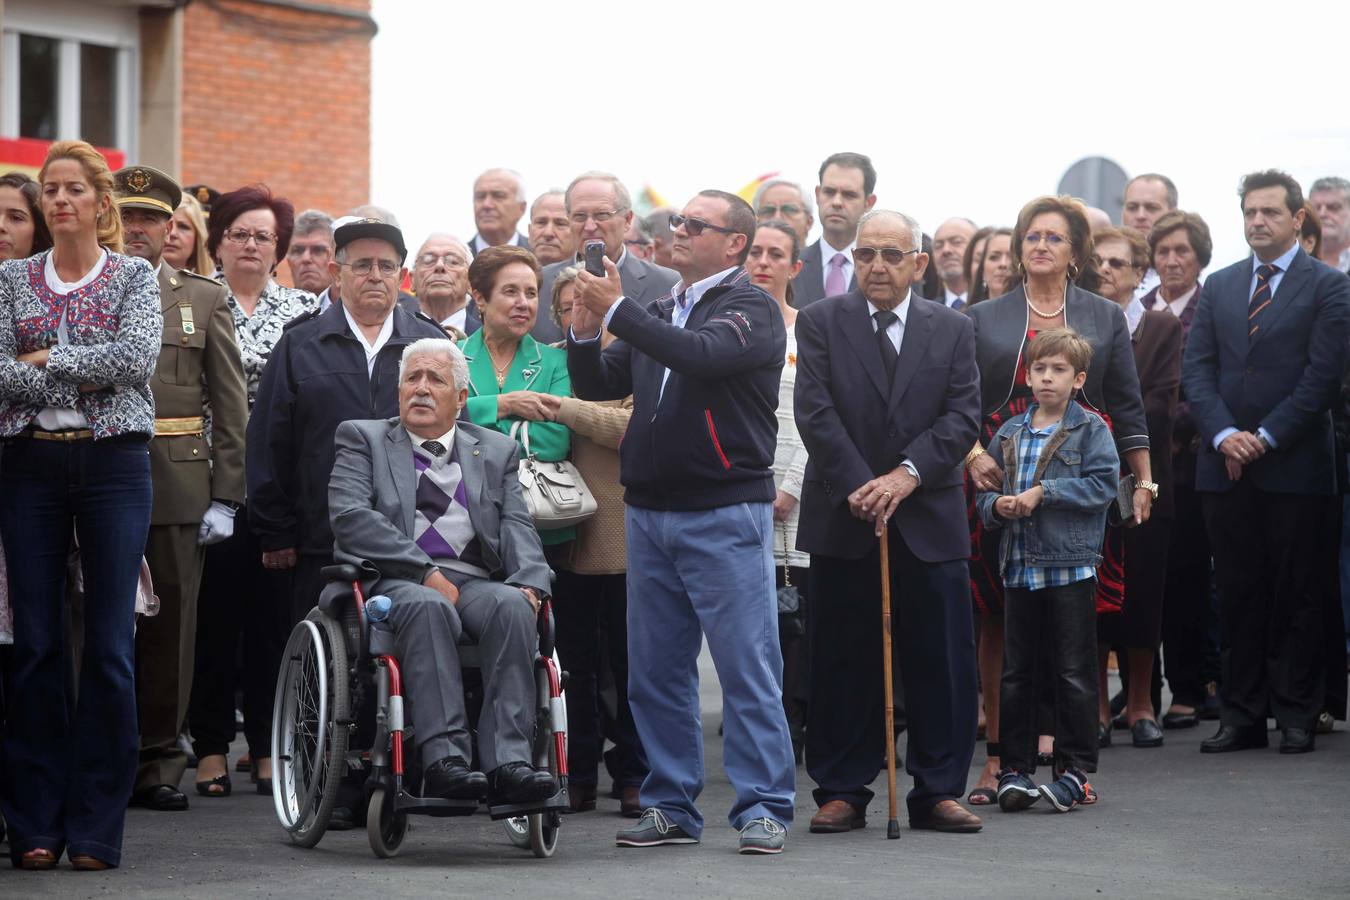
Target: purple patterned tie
point(834, 280)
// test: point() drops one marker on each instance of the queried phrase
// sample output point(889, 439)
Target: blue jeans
point(696, 574)
point(68, 765)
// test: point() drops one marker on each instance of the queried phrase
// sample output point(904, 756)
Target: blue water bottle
point(377, 608)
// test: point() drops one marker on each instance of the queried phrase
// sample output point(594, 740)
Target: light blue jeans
point(691, 574)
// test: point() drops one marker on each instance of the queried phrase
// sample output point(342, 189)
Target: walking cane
point(892, 826)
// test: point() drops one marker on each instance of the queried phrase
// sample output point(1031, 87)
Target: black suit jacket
point(1284, 378)
point(809, 285)
point(856, 427)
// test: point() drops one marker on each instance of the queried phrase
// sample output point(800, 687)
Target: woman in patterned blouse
point(249, 233)
point(80, 331)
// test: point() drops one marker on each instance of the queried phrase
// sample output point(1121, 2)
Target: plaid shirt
point(1020, 575)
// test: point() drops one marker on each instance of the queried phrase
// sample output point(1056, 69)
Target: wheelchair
point(335, 693)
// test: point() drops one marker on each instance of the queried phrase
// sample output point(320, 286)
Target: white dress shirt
point(372, 350)
point(1178, 306)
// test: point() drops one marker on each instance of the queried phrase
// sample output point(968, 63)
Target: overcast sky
point(966, 108)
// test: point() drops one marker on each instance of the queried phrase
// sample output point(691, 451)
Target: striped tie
point(1261, 297)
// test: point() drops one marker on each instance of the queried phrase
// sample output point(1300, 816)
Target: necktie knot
point(885, 319)
point(837, 261)
point(1267, 271)
point(435, 448)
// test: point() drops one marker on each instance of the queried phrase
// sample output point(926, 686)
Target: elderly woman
point(22, 229)
point(1121, 258)
point(994, 268)
point(511, 374)
point(1180, 248)
point(185, 244)
point(79, 335)
point(590, 595)
point(249, 234)
point(1051, 243)
point(773, 262)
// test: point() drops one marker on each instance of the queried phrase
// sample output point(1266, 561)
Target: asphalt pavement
point(1171, 822)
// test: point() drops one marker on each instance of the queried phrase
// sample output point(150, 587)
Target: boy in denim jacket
point(1061, 472)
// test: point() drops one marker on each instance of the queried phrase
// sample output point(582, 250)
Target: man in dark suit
point(845, 192)
point(498, 206)
point(1262, 369)
point(600, 209)
point(888, 405)
point(440, 281)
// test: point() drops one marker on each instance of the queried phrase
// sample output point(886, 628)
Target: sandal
point(220, 786)
point(38, 860)
point(264, 784)
point(986, 796)
point(86, 863)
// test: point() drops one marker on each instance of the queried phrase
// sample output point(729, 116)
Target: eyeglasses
point(242, 235)
point(769, 211)
point(638, 242)
point(451, 260)
point(600, 218)
point(695, 226)
point(362, 267)
point(1033, 238)
point(889, 255)
point(1114, 262)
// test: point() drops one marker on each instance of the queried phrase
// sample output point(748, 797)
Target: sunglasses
point(1115, 262)
point(889, 255)
point(695, 226)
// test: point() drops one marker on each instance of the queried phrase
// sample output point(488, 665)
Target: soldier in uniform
point(198, 485)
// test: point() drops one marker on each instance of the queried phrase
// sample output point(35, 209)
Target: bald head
point(1098, 219)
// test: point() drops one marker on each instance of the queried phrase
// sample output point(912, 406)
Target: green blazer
point(535, 367)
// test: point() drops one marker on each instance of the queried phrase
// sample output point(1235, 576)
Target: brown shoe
point(948, 816)
point(581, 797)
point(85, 863)
point(838, 816)
point(630, 805)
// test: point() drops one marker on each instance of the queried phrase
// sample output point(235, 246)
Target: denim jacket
point(1079, 471)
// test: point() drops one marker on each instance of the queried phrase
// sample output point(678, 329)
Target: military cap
point(141, 187)
point(353, 228)
point(204, 195)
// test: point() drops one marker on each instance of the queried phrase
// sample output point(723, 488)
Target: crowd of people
point(1069, 447)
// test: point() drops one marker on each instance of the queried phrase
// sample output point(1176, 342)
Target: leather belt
point(193, 425)
point(76, 434)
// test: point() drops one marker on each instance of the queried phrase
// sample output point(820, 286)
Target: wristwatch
point(1149, 486)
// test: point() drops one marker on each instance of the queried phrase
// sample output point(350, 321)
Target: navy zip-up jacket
point(709, 440)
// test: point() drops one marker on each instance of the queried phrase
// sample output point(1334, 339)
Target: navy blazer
point(1285, 378)
point(809, 285)
point(856, 427)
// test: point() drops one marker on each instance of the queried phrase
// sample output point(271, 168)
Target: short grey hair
point(910, 224)
point(459, 366)
point(371, 211)
point(551, 192)
point(519, 179)
point(312, 220)
point(1331, 183)
point(774, 182)
point(622, 198)
point(443, 235)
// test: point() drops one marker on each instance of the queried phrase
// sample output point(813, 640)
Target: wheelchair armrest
point(341, 572)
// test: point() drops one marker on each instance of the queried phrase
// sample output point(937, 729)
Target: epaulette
point(193, 276)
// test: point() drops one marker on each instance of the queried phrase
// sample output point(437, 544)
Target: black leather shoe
point(160, 798)
point(452, 779)
point(1146, 733)
point(1103, 735)
point(1174, 720)
point(341, 819)
point(1229, 738)
point(1121, 721)
point(519, 782)
point(1296, 740)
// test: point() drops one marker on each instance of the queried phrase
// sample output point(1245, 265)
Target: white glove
point(217, 524)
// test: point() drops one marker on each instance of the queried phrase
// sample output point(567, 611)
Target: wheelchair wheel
point(518, 830)
point(385, 828)
point(543, 827)
point(309, 728)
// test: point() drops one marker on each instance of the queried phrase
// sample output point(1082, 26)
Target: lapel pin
point(475, 453)
point(527, 373)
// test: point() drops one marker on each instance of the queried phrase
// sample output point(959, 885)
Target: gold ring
point(885, 493)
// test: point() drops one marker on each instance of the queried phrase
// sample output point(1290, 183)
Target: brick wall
point(278, 96)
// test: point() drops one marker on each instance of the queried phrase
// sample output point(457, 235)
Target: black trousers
point(1270, 582)
point(239, 600)
point(591, 613)
point(1050, 633)
point(1187, 660)
point(934, 637)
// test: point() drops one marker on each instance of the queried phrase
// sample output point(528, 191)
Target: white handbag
point(555, 493)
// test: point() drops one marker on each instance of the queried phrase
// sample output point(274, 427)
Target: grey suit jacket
point(643, 282)
point(372, 500)
point(809, 285)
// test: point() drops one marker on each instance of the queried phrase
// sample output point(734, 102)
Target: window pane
point(98, 92)
point(37, 87)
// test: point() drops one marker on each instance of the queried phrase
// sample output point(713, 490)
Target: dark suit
point(856, 426)
point(809, 285)
point(476, 243)
point(643, 282)
point(1264, 528)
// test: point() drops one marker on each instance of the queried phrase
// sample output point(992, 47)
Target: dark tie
point(885, 318)
point(435, 448)
point(958, 304)
point(1261, 297)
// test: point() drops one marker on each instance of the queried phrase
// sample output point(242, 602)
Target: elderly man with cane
point(887, 403)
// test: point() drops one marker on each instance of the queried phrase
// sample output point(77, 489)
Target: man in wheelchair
point(430, 509)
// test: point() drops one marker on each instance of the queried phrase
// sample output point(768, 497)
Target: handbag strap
point(523, 427)
point(787, 575)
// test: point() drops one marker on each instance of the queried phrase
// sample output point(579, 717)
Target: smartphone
point(595, 258)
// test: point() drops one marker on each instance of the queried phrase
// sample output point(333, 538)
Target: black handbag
point(789, 597)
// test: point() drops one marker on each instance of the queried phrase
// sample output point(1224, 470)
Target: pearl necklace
point(1050, 315)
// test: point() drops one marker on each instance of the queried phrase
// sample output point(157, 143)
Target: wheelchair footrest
point(433, 806)
point(556, 803)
